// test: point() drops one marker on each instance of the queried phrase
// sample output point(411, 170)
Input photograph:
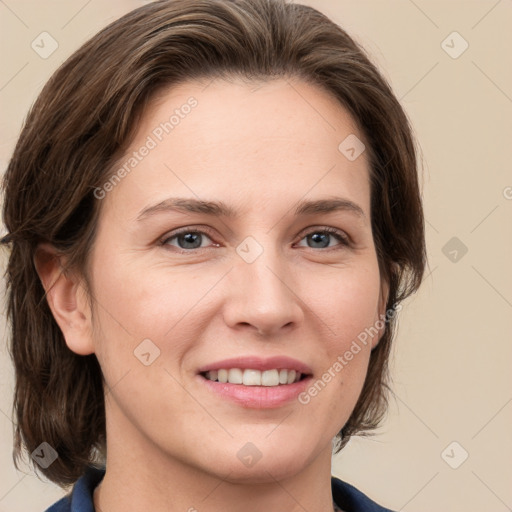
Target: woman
point(213, 213)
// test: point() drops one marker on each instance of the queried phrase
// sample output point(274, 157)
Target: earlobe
point(66, 298)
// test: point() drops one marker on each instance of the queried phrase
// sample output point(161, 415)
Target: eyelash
point(342, 238)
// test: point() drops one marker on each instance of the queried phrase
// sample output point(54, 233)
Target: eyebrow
point(220, 209)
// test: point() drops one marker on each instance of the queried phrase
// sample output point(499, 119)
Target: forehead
point(243, 143)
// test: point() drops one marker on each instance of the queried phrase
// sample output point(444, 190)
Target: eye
point(189, 239)
point(186, 239)
point(320, 238)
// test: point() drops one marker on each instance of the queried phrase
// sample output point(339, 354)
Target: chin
point(263, 472)
point(266, 465)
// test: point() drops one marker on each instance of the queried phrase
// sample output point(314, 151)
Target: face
point(239, 239)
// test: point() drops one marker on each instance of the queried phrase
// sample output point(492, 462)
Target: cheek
point(346, 302)
point(348, 308)
point(145, 303)
point(141, 333)
point(168, 307)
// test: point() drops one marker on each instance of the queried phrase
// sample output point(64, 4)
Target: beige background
point(452, 365)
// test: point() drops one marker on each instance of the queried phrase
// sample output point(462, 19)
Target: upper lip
point(258, 363)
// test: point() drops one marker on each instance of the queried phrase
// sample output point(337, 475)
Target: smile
point(256, 382)
point(253, 377)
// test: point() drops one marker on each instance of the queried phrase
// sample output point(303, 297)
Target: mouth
point(253, 377)
point(256, 383)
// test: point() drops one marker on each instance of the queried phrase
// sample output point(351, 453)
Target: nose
point(263, 296)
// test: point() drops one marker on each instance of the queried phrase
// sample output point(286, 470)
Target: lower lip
point(258, 397)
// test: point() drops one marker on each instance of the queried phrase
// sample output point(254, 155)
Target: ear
point(67, 299)
point(380, 320)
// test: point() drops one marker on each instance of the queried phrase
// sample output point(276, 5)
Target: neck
point(142, 478)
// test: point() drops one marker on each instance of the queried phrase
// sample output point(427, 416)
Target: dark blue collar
point(347, 497)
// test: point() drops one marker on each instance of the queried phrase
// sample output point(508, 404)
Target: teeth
point(270, 378)
point(235, 376)
point(251, 377)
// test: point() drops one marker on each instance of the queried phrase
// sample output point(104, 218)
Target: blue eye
point(320, 238)
point(187, 239)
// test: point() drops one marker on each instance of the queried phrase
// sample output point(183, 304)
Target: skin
point(260, 148)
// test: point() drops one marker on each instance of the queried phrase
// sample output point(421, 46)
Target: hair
point(87, 115)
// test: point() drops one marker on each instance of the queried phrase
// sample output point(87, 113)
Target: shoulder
point(351, 499)
point(63, 505)
point(80, 498)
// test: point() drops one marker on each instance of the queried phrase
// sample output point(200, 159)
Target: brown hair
point(87, 114)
